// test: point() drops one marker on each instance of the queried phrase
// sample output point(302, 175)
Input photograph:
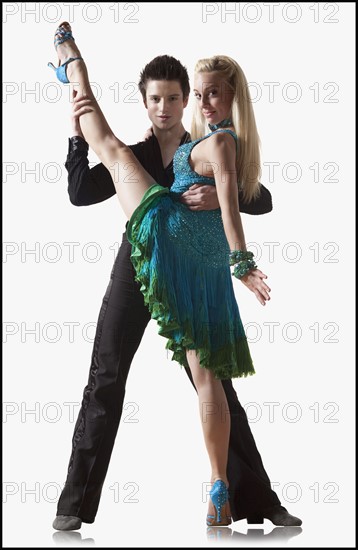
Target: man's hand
point(254, 280)
point(200, 197)
point(148, 134)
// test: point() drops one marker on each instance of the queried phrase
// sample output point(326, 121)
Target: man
point(164, 85)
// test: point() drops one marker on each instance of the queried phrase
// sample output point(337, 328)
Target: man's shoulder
point(144, 151)
point(142, 146)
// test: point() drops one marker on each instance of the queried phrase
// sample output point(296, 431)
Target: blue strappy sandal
point(61, 36)
point(219, 496)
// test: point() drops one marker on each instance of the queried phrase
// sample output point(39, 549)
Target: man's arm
point(204, 197)
point(261, 205)
point(88, 185)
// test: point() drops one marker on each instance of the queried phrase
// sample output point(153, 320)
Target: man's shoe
point(278, 515)
point(67, 523)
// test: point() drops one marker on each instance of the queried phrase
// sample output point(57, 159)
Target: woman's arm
point(221, 153)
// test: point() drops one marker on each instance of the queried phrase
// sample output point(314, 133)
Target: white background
point(306, 368)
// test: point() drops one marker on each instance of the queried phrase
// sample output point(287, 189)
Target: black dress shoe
point(67, 523)
point(278, 515)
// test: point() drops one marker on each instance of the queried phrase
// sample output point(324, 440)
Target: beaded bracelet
point(239, 255)
point(244, 262)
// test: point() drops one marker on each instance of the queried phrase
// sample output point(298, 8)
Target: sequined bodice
point(197, 231)
point(184, 175)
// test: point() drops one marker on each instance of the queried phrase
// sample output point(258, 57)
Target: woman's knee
point(204, 379)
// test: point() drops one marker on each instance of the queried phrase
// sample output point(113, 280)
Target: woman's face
point(213, 95)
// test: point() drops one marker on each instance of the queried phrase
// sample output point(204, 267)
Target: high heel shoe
point(219, 496)
point(61, 35)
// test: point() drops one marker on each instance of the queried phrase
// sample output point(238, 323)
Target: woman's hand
point(80, 106)
point(254, 280)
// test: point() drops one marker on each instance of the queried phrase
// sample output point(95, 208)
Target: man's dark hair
point(164, 67)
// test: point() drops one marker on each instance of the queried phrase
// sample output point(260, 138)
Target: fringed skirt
point(181, 259)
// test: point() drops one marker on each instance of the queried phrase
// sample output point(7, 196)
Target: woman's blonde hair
point(242, 115)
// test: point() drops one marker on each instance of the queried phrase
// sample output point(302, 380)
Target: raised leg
point(131, 180)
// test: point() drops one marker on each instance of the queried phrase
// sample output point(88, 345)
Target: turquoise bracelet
point(243, 267)
point(243, 262)
point(236, 256)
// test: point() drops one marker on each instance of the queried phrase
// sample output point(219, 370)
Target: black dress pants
point(121, 324)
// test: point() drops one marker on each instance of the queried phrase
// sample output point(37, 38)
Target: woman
point(182, 257)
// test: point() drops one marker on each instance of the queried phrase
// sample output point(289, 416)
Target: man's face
point(165, 103)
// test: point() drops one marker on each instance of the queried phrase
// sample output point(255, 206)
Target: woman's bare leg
point(130, 179)
point(215, 420)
